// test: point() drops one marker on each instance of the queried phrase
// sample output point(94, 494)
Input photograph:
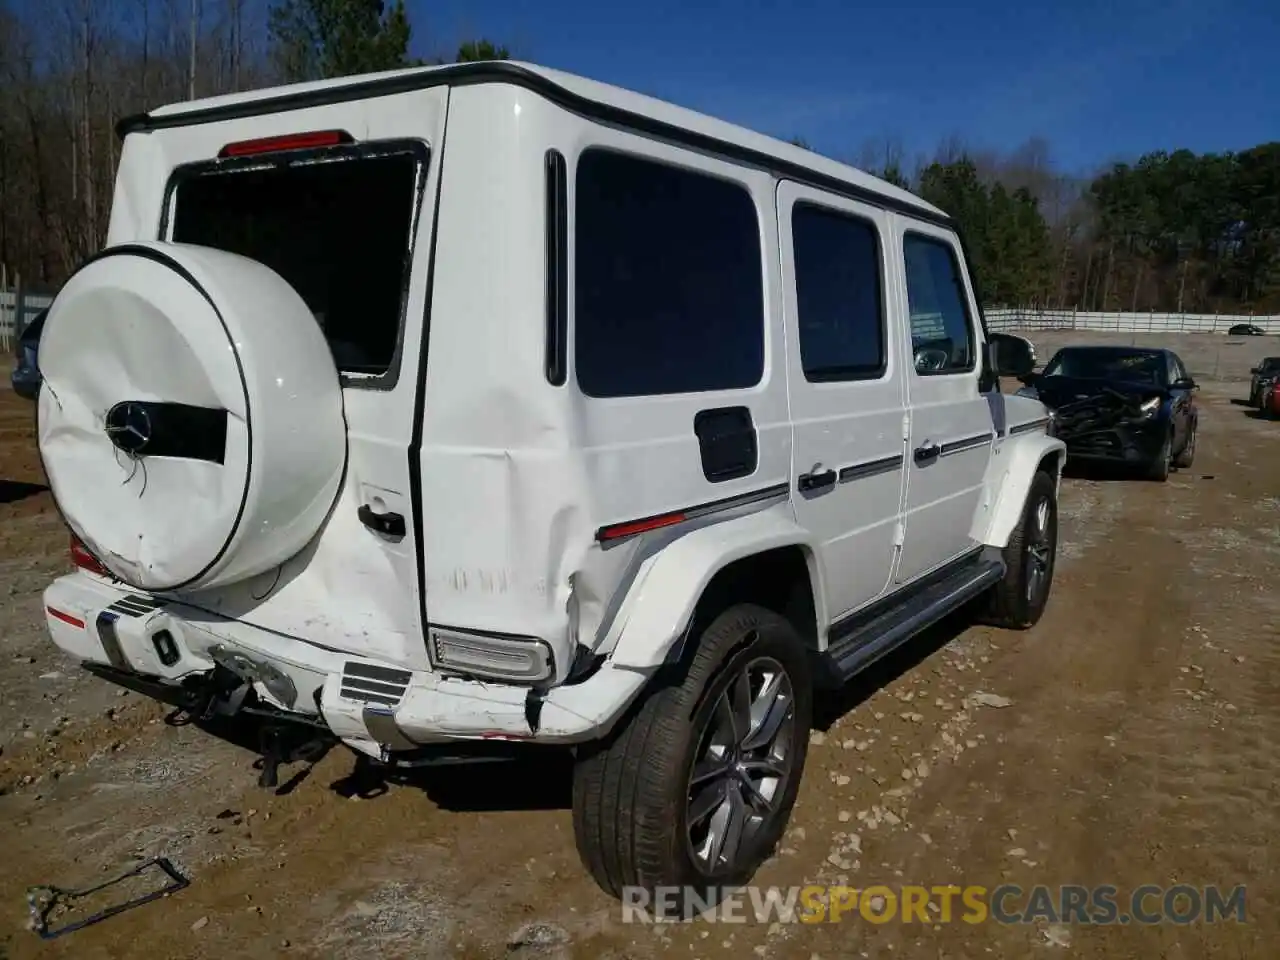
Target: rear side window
point(337, 225)
point(838, 294)
point(941, 328)
point(668, 291)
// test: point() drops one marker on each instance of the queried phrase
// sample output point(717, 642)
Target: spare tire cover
point(191, 421)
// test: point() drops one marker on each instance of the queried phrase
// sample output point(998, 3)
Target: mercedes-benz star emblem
point(129, 426)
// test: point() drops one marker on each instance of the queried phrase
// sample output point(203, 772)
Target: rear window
point(336, 224)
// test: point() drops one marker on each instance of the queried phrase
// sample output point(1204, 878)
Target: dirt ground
point(1136, 746)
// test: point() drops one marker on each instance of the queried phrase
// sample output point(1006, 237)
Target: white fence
point(1013, 319)
point(17, 309)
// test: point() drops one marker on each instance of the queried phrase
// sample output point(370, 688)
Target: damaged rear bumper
point(374, 707)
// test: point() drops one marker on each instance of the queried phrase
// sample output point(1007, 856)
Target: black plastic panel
point(149, 428)
point(557, 267)
point(727, 439)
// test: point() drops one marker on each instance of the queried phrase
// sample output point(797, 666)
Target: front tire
point(1158, 469)
point(1017, 602)
point(694, 790)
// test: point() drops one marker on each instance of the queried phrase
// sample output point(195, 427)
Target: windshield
point(1269, 365)
point(1148, 368)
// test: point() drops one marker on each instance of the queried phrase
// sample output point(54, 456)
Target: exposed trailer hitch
point(221, 693)
point(286, 737)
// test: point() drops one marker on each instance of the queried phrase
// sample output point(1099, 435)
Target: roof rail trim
point(497, 71)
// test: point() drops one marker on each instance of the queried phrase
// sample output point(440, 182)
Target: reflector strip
point(65, 618)
point(621, 531)
point(640, 526)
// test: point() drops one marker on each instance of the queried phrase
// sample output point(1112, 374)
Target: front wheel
point(1158, 469)
point(1018, 601)
point(695, 789)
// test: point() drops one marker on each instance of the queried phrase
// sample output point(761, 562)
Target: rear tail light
point(85, 560)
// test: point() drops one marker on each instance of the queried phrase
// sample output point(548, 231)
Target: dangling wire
point(136, 462)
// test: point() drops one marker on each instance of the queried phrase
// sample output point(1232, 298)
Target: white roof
point(601, 93)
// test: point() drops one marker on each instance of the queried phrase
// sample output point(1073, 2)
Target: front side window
point(941, 327)
point(338, 227)
point(840, 312)
point(668, 288)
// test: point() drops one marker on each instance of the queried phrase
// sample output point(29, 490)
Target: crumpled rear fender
point(662, 599)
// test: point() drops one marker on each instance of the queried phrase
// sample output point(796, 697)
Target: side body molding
point(669, 584)
point(1022, 454)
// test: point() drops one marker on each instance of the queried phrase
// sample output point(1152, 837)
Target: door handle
point(927, 452)
point(816, 481)
point(391, 524)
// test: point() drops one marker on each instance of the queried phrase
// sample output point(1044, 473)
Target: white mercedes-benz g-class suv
point(484, 402)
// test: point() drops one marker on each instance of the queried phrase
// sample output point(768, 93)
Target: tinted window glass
point(941, 331)
point(838, 292)
point(668, 290)
point(338, 232)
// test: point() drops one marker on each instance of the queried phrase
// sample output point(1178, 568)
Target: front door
point(844, 371)
point(951, 428)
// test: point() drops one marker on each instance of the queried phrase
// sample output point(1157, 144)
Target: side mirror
point(1255, 370)
point(1011, 356)
point(1186, 383)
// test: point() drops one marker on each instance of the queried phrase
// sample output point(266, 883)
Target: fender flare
point(661, 602)
point(1024, 456)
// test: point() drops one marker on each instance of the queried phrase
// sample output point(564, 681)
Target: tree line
point(1173, 231)
point(70, 69)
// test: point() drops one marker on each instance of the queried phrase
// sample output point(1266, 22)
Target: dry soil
point(1136, 746)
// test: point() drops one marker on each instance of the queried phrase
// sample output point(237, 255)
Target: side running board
point(867, 635)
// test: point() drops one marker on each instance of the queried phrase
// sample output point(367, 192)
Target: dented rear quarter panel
point(519, 474)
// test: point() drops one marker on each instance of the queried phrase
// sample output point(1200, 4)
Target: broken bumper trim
point(372, 706)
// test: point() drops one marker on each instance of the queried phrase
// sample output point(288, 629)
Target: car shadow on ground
point(470, 778)
point(544, 775)
point(480, 777)
point(11, 491)
point(1101, 472)
point(1258, 415)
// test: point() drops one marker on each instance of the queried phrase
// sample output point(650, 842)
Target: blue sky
point(1098, 79)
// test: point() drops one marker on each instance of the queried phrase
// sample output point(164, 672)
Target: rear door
point(339, 203)
point(844, 372)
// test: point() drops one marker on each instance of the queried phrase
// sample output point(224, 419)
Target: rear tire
point(1187, 455)
point(1018, 601)
point(701, 750)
